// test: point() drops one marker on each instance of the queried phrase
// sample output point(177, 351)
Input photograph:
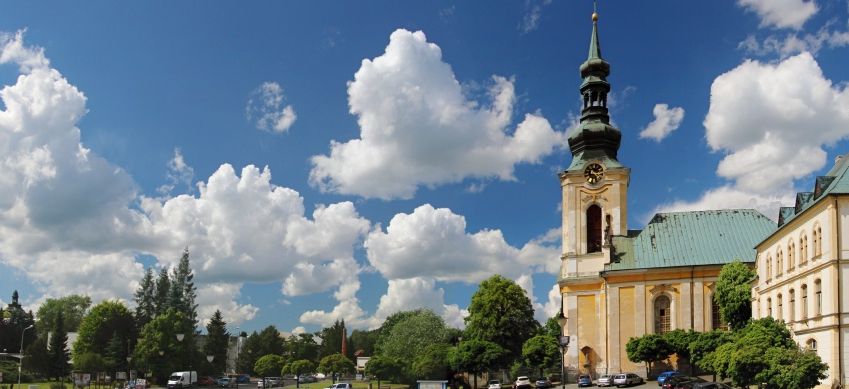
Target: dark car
point(543, 383)
point(585, 380)
point(206, 381)
point(710, 385)
point(663, 376)
point(243, 378)
point(681, 382)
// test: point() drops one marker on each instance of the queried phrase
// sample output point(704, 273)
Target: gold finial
point(595, 11)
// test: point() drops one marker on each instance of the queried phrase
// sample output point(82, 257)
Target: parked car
point(522, 382)
point(604, 380)
point(268, 382)
point(305, 379)
point(585, 380)
point(627, 379)
point(222, 382)
point(681, 382)
point(206, 381)
point(243, 378)
point(495, 384)
point(340, 385)
point(543, 383)
point(663, 376)
point(710, 385)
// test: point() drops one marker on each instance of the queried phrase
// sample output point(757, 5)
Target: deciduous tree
point(269, 365)
point(734, 294)
point(649, 348)
point(336, 364)
point(542, 351)
point(299, 368)
point(72, 307)
point(101, 323)
point(475, 356)
point(412, 335)
point(385, 368)
point(432, 363)
point(500, 312)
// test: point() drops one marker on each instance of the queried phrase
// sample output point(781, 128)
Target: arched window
point(780, 312)
point(816, 242)
point(804, 301)
point(662, 315)
point(792, 305)
point(790, 260)
point(779, 263)
point(818, 297)
point(803, 248)
point(819, 241)
point(811, 344)
point(769, 307)
point(593, 229)
point(768, 268)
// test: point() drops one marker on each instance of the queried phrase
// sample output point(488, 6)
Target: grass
point(354, 383)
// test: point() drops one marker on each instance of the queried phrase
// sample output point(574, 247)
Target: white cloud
point(533, 11)
point(791, 112)
point(781, 13)
point(223, 297)
point(309, 278)
point(434, 243)
point(542, 311)
point(179, 174)
point(665, 121)
point(418, 128)
point(795, 43)
point(298, 330)
point(266, 106)
point(552, 306)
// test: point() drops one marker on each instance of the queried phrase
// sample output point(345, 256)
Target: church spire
point(594, 138)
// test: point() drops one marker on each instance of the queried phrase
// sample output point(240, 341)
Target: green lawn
point(355, 383)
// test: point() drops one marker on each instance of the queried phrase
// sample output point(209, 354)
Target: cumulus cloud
point(265, 106)
point(418, 128)
point(665, 121)
point(795, 43)
point(792, 112)
point(73, 222)
point(781, 13)
point(433, 243)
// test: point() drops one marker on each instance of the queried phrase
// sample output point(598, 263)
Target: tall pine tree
point(183, 290)
point(217, 341)
point(116, 353)
point(145, 305)
point(161, 293)
point(58, 355)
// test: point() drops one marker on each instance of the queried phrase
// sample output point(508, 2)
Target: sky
point(346, 160)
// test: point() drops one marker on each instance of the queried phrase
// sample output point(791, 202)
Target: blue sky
point(329, 160)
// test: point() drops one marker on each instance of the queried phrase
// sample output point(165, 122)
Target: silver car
point(626, 379)
point(605, 380)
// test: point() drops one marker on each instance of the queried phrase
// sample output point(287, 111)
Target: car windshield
point(493, 382)
point(175, 377)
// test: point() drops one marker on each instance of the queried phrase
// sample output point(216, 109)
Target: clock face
point(593, 173)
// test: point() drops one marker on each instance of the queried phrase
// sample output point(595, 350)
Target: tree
point(145, 300)
point(267, 341)
point(89, 362)
point(750, 357)
point(385, 368)
point(475, 356)
point(336, 364)
point(302, 346)
point(269, 365)
point(72, 307)
point(734, 294)
point(412, 335)
point(542, 351)
point(363, 340)
point(704, 344)
point(116, 353)
point(58, 352)
point(299, 368)
point(331, 339)
point(161, 335)
point(37, 357)
point(101, 323)
point(183, 291)
point(648, 348)
point(162, 292)
point(12, 323)
point(217, 342)
point(679, 343)
point(500, 312)
point(432, 363)
point(552, 328)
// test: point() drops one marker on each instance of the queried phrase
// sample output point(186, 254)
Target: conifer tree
point(161, 293)
point(116, 353)
point(58, 351)
point(183, 290)
point(144, 296)
point(217, 341)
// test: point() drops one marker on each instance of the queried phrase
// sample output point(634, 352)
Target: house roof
point(692, 239)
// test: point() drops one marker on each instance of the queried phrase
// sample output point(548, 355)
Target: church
point(618, 283)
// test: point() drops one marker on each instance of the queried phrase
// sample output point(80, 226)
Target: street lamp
point(21, 359)
point(129, 358)
point(563, 342)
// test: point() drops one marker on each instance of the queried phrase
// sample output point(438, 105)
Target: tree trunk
point(476, 380)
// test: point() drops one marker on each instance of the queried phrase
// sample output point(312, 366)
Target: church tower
point(595, 192)
point(595, 186)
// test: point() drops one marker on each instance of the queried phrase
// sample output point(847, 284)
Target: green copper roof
point(836, 181)
point(692, 239)
point(595, 48)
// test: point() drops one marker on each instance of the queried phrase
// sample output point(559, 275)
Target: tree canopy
point(542, 351)
point(161, 335)
point(269, 365)
point(217, 342)
point(385, 368)
point(412, 335)
point(475, 356)
point(734, 294)
point(336, 363)
point(101, 323)
point(72, 308)
point(649, 348)
point(500, 312)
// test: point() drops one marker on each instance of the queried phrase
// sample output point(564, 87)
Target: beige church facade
point(618, 283)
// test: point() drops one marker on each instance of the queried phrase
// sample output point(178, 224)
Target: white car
point(626, 379)
point(605, 380)
point(523, 382)
point(494, 384)
point(340, 385)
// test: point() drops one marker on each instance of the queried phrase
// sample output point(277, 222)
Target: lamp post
point(21, 359)
point(180, 338)
point(563, 342)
